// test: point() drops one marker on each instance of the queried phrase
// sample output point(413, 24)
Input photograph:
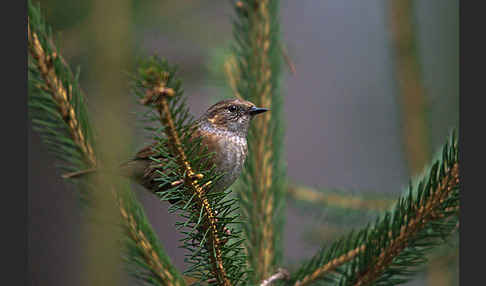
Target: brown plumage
point(223, 129)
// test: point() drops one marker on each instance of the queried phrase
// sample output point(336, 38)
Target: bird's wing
point(146, 152)
point(138, 167)
point(141, 167)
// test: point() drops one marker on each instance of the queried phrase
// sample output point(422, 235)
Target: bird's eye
point(232, 108)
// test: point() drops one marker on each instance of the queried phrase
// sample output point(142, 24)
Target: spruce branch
point(53, 85)
point(427, 213)
point(288, 60)
point(58, 111)
point(338, 210)
point(159, 95)
point(143, 248)
point(233, 75)
point(395, 246)
point(216, 255)
point(330, 266)
point(258, 53)
point(338, 199)
point(411, 89)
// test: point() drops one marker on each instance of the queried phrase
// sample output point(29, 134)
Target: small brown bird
point(223, 129)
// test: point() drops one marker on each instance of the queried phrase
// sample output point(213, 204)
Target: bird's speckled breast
point(230, 159)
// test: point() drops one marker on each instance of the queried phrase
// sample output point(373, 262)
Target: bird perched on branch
point(222, 128)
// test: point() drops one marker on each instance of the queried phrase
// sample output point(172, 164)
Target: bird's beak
point(256, 110)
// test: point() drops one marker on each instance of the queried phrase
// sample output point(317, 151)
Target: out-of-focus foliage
point(339, 211)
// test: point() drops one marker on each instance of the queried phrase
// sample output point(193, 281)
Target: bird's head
point(232, 115)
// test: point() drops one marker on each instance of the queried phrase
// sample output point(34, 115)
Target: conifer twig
point(59, 93)
point(149, 254)
point(310, 195)
point(330, 266)
point(158, 95)
point(394, 247)
point(288, 60)
point(50, 67)
point(259, 57)
point(411, 89)
point(425, 214)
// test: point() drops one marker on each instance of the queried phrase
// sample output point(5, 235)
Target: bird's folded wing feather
point(138, 167)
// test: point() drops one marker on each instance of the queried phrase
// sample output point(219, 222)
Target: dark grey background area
point(343, 121)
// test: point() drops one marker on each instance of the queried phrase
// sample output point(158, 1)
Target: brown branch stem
point(330, 266)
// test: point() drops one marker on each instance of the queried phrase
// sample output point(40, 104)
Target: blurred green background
point(345, 108)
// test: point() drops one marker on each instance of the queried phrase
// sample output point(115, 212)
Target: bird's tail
point(81, 173)
point(128, 169)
